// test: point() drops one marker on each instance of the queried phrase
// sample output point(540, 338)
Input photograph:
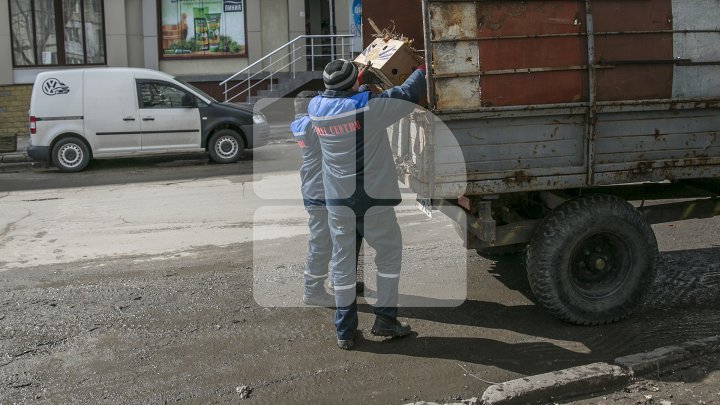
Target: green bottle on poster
point(201, 27)
point(213, 22)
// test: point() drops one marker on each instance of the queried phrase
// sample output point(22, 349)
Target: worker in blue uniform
point(361, 189)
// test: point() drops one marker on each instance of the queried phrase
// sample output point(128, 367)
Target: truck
point(565, 129)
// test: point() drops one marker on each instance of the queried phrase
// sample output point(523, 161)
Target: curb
point(655, 361)
point(569, 382)
point(596, 377)
point(14, 158)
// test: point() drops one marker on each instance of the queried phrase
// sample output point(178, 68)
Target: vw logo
point(53, 87)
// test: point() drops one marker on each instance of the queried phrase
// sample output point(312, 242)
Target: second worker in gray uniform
point(313, 193)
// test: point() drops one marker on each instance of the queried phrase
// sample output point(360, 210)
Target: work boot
point(347, 344)
point(319, 299)
point(389, 327)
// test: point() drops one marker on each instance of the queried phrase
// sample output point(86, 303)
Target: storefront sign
point(233, 6)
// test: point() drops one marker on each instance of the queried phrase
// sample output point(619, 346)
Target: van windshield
point(195, 89)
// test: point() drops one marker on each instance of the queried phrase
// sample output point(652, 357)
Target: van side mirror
point(189, 101)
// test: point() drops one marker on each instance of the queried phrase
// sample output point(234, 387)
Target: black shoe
point(347, 344)
point(385, 326)
point(320, 299)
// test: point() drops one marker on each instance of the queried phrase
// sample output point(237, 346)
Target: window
point(154, 94)
point(202, 29)
point(57, 32)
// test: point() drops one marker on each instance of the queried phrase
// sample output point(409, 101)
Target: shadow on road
point(682, 305)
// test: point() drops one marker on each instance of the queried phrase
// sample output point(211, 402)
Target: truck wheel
point(592, 260)
point(226, 146)
point(71, 155)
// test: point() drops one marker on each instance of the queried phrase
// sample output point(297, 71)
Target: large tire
point(71, 155)
point(592, 260)
point(226, 146)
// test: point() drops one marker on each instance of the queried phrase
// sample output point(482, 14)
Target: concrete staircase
point(287, 68)
point(286, 83)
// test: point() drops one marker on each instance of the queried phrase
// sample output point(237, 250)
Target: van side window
point(156, 94)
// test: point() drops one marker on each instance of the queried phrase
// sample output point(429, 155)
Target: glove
point(422, 68)
point(361, 74)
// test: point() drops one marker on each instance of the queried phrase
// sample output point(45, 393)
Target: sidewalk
point(19, 156)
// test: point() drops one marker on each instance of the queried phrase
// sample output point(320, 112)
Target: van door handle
point(148, 119)
point(128, 119)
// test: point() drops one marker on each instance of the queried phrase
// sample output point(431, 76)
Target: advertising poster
point(203, 28)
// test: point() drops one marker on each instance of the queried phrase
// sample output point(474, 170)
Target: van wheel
point(592, 260)
point(226, 146)
point(71, 155)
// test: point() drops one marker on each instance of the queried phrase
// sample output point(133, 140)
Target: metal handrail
point(291, 54)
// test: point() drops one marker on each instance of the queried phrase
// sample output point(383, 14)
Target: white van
point(82, 114)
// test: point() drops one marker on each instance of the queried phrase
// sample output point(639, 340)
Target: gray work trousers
point(381, 231)
point(319, 250)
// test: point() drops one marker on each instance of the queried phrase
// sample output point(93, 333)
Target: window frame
point(59, 37)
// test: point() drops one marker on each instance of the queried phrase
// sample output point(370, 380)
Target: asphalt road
point(279, 156)
point(155, 280)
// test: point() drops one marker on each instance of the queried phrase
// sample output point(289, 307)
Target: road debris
point(244, 391)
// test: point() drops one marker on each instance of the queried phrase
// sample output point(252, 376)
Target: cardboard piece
point(392, 60)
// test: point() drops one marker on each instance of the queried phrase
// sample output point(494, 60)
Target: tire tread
point(571, 216)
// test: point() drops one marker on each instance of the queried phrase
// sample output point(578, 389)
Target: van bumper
point(40, 153)
point(260, 134)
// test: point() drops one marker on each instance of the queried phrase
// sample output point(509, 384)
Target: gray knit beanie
point(340, 74)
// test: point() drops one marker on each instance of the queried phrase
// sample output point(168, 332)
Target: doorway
point(319, 20)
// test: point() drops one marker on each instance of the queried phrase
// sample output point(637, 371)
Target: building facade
point(205, 40)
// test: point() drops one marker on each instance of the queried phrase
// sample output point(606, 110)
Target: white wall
point(274, 22)
point(150, 34)
point(115, 34)
point(296, 18)
point(134, 30)
point(6, 68)
point(342, 19)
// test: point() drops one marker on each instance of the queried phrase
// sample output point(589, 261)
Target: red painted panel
point(555, 52)
point(635, 81)
point(405, 15)
point(535, 88)
point(632, 15)
point(638, 47)
point(509, 18)
point(512, 17)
